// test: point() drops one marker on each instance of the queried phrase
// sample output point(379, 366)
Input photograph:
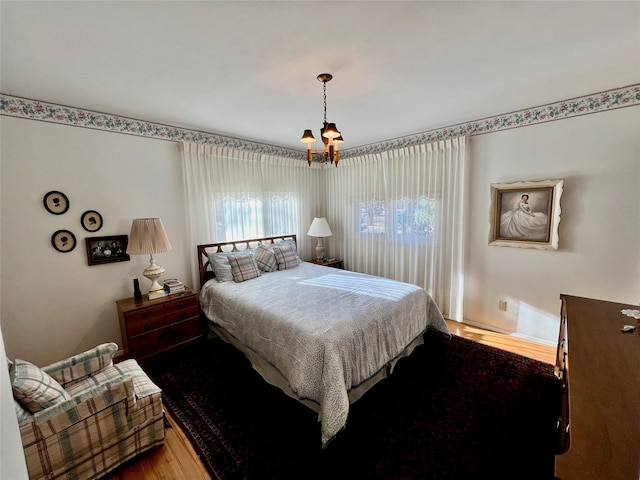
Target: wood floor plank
point(543, 353)
point(175, 460)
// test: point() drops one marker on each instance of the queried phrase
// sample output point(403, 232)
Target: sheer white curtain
point(401, 214)
point(235, 194)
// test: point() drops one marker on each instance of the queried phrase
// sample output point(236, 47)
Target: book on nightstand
point(173, 285)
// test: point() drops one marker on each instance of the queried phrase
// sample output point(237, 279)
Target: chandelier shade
point(329, 133)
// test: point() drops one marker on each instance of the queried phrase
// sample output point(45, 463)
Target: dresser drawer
point(163, 338)
point(144, 320)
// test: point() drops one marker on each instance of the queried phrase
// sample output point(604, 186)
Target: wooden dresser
point(151, 328)
point(604, 392)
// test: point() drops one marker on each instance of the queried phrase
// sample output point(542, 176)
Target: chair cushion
point(79, 366)
point(33, 388)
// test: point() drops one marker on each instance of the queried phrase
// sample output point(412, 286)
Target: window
point(405, 220)
point(253, 217)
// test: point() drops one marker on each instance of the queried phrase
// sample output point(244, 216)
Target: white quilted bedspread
point(325, 330)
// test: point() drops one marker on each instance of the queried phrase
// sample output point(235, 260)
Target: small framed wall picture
point(56, 202)
point(63, 241)
point(525, 214)
point(107, 249)
point(91, 221)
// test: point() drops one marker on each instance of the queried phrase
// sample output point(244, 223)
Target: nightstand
point(334, 262)
point(151, 328)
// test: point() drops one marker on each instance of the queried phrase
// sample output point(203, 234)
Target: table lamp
point(148, 237)
point(319, 228)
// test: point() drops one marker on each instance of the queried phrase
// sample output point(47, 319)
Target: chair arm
point(82, 365)
point(85, 405)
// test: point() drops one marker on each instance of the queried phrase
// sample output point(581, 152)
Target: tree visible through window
point(405, 219)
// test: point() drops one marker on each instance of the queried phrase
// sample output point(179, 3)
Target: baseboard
point(491, 328)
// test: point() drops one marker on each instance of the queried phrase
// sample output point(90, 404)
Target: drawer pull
point(145, 314)
point(181, 304)
point(147, 326)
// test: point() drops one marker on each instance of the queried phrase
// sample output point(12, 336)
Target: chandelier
point(330, 135)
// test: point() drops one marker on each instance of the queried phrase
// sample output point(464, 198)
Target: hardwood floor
point(512, 344)
point(177, 460)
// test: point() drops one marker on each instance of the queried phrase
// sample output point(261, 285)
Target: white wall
point(12, 461)
point(598, 156)
point(54, 304)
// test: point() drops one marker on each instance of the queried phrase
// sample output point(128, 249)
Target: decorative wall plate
point(56, 202)
point(91, 221)
point(63, 241)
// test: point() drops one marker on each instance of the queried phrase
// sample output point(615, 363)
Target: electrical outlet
point(502, 305)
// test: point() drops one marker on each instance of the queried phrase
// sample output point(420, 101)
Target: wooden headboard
point(233, 246)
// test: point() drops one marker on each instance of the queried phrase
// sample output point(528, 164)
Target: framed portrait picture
point(91, 221)
point(56, 202)
point(525, 214)
point(63, 241)
point(107, 249)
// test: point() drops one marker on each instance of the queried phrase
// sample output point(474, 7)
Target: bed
point(322, 335)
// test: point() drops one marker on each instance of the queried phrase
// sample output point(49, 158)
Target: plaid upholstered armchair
point(84, 416)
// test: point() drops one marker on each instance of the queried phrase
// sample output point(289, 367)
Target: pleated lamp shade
point(147, 236)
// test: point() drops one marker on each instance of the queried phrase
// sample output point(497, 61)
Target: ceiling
point(248, 69)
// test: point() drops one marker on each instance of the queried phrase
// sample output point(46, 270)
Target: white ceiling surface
point(248, 69)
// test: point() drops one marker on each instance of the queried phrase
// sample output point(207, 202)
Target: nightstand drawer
point(188, 303)
point(183, 314)
point(181, 309)
point(141, 321)
point(163, 338)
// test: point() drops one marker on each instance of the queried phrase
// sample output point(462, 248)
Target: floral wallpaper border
point(50, 112)
point(628, 96)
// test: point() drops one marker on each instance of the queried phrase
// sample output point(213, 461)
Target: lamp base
point(153, 294)
point(153, 272)
point(320, 252)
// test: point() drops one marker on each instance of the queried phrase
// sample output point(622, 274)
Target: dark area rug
point(454, 409)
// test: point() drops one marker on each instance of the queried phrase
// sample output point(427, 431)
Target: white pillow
point(219, 262)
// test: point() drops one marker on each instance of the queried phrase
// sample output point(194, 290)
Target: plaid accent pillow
point(291, 242)
point(34, 388)
point(286, 256)
point(243, 267)
point(265, 259)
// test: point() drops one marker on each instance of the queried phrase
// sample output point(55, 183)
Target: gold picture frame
point(525, 214)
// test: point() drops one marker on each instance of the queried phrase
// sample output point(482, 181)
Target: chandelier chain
point(324, 90)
